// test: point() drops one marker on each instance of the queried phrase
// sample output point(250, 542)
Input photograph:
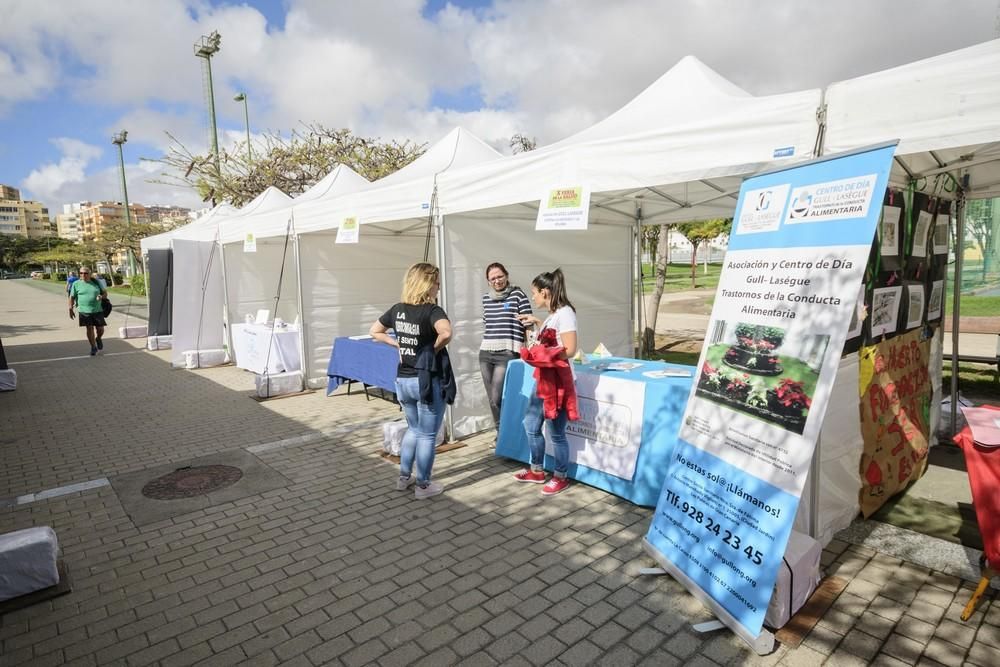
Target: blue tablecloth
point(664, 403)
point(364, 360)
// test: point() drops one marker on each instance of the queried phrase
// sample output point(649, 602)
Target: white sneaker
point(432, 489)
point(403, 483)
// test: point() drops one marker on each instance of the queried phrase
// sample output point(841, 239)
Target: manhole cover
point(188, 482)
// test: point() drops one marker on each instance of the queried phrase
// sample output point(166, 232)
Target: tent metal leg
point(304, 364)
point(955, 309)
point(226, 316)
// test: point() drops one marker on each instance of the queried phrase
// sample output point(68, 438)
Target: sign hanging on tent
point(348, 231)
point(563, 208)
point(786, 297)
point(250, 242)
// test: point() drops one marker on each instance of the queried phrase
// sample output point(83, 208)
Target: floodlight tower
point(205, 49)
point(119, 140)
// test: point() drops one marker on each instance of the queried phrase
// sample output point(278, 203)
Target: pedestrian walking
point(86, 295)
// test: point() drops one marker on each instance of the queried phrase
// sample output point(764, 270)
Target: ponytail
point(555, 283)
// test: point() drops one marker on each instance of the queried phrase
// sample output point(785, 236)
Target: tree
point(700, 232)
point(16, 252)
point(651, 242)
point(116, 236)
point(980, 225)
point(64, 255)
point(292, 165)
point(659, 261)
point(521, 143)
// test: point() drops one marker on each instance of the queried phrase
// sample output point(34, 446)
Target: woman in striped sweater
point(503, 333)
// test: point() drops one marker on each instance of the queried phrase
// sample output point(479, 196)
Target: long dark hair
point(555, 283)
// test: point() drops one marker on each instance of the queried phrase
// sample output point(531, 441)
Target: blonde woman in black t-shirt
point(422, 331)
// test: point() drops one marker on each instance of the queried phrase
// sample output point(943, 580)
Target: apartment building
point(68, 222)
point(19, 217)
point(168, 217)
point(94, 216)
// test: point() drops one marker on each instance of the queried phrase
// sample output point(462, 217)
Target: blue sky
point(71, 74)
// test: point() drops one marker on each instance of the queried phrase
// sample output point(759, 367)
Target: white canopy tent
point(166, 287)
point(945, 111)
point(199, 279)
point(676, 152)
point(268, 277)
point(346, 286)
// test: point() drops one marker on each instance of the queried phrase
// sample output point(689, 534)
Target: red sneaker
point(530, 476)
point(554, 486)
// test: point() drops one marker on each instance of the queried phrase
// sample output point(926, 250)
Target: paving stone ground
point(339, 568)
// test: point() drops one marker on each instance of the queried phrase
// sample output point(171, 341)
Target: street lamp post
point(242, 97)
point(119, 140)
point(205, 49)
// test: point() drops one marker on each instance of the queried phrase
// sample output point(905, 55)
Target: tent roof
point(266, 215)
point(403, 195)
point(681, 146)
point(687, 88)
point(944, 110)
point(270, 199)
point(270, 217)
point(341, 180)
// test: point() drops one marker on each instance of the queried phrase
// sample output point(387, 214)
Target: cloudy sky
point(73, 73)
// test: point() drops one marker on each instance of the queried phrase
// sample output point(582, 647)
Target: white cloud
point(48, 179)
point(69, 180)
point(545, 68)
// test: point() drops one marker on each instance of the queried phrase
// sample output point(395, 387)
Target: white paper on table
point(262, 316)
point(623, 365)
point(984, 424)
point(668, 373)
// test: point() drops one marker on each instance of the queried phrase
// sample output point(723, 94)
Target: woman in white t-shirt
point(548, 290)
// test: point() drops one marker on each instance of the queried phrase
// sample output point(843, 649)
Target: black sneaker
point(100, 344)
point(93, 351)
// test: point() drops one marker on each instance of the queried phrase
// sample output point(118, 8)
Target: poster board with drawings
point(914, 305)
point(885, 310)
point(890, 231)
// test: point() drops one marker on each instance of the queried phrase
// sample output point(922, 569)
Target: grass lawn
point(684, 358)
point(126, 290)
point(975, 381)
point(679, 277)
point(975, 306)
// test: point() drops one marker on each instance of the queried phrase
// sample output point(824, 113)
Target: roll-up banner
point(800, 240)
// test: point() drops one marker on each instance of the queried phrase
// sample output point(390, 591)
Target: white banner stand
point(762, 644)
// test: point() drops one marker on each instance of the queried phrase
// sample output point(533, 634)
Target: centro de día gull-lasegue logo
point(764, 200)
point(801, 204)
point(762, 209)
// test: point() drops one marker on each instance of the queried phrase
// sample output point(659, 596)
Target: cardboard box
point(392, 436)
point(159, 342)
point(28, 561)
point(133, 332)
point(279, 384)
point(204, 358)
point(798, 577)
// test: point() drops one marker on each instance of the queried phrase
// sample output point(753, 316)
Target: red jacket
point(553, 379)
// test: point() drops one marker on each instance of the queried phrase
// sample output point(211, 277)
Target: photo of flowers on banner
point(754, 369)
point(895, 413)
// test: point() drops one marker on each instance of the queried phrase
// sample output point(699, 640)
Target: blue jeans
point(534, 418)
point(422, 421)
